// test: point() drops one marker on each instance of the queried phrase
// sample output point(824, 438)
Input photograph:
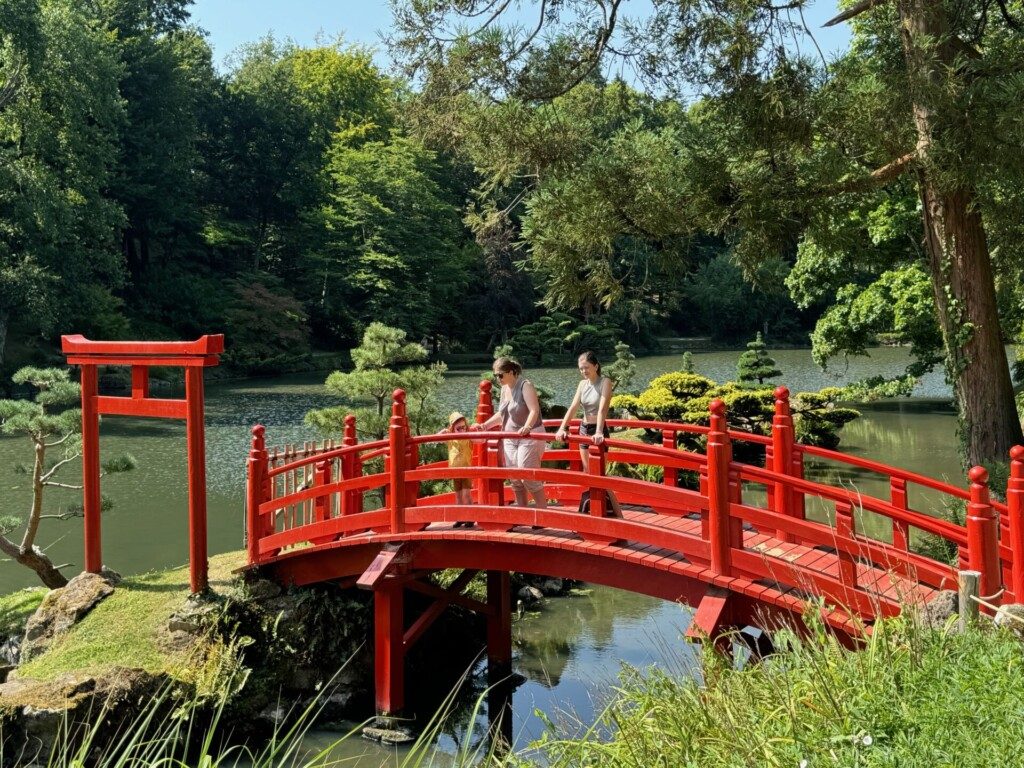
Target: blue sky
point(231, 23)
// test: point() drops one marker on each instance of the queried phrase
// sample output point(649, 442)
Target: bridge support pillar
point(499, 656)
point(389, 648)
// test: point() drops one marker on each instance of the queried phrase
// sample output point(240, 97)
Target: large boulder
point(940, 609)
point(61, 609)
point(35, 711)
point(1011, 616)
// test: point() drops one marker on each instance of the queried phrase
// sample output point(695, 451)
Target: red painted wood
point(140, 382)
point(1015, 515)
point(254, 489)
point(212, 344)
point(195, 438)
point(782, 453)
point(718, 491)
point(499, 626)
point(389, 649)
point(845, 529)
point(171, 362)
point(193, 356)
point(151, 407)
point(712, 615)
point(982, 535)
point(91, 470)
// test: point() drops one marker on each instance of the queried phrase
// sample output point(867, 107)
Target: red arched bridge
point(741, 547)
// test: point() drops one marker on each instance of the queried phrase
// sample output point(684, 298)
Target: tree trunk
point(961, 271)
point(43, 566)
point(4, 319)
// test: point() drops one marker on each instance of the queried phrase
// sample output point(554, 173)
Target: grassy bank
point(911, 697)
point(126, 628)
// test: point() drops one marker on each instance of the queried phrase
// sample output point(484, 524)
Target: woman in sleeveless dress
point(519, 411)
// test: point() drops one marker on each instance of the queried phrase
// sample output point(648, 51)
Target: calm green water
point(572, 652)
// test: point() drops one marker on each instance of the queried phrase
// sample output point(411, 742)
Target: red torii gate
point(193, 356)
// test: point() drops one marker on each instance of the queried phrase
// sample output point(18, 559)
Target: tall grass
point(910, 697)
point(169, 733)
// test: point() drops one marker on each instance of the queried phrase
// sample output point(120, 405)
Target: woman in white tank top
point(594, 393)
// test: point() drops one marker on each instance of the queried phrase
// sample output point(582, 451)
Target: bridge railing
point(317, 498)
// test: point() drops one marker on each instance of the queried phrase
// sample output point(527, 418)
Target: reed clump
point(911, 696)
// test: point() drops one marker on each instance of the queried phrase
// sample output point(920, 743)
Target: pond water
point(570, 654)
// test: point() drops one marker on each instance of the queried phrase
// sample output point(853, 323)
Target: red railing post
point(396, 462)
point(596, 468)
point(494, 489)
point(983, 534)
point(668, 440)
point(718, 455)
point(412, 455)
point(351, 467)
point(782, 457)
point(845, 527)
point(323, 477)
point(1015, 512)
point(484, 411)
point(255, 487)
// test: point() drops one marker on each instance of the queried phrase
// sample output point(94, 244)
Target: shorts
point(462, 483)
point(589, 430)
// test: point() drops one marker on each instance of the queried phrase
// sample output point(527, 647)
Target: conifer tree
point(49, 421)
point(755, 364)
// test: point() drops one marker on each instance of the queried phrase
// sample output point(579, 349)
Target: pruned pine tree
point(383, 363)
point(623, 370)
point(755, 364)
point(52, 425)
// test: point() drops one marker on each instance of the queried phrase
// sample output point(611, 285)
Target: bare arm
point(602, 410)
point(493, 421)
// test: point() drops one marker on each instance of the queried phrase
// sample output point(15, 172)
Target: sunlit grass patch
point(16, 607)
point(124, 630)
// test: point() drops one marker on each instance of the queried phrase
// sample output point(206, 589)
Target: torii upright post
point(193, 356)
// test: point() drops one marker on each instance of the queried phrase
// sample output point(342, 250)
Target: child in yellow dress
point(460, 454)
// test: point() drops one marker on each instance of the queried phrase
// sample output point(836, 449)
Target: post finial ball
point(399, 395)
point(978, 474)
point(782, 393)
point(1017, 453)
point(485, 386)
point(350, 420)
point(259, 431)
point(717, 407)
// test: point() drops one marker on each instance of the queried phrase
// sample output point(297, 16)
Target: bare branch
point(857, 10)
point(877, 177)
point(1010, 21)
point(57, 466)
point(63, 440)
point(55, 484)
point(9, 548)
point(64, 515)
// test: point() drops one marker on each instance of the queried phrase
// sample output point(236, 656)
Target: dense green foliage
point(295, 198)
point(686, 397)
point(876, 187)
point(912, 697)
